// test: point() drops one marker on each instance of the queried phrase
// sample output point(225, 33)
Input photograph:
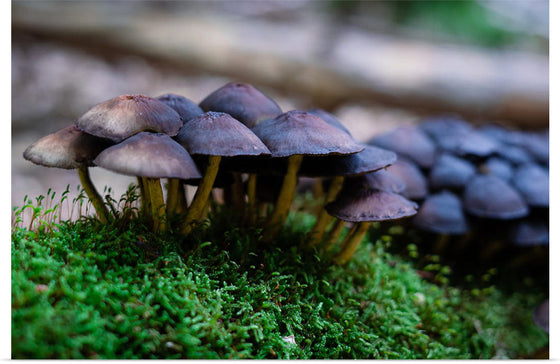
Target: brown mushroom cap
point(298, 132)
point(219, 134)
point(242, 101)
point(153, 155)
point(491, 197)
point(442, 213)
point(68, 148)
point(186, 108)
point(126, 115)
point(409, 142)
point(368, 160)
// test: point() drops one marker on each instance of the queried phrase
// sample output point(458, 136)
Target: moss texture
point(86, 290)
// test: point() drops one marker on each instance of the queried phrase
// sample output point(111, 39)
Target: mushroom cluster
point(487, 179)
point(239, 140)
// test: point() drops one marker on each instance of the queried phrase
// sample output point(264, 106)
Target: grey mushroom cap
point(528, 233)
point(532, 181)
point(409, 142)
point(498, 167)
point(370, 205)
point(126, 115)
point(68, 148)
point(301, 133)
point(382, 180)
point(489, 196)
point(146, 154)
point(242, 101)
point(416, 185)
point(440, 127)
point(451, 172)
point(442, 213)
point(187, 109)
point(219, 134)
point(368, 160)
point(330, 119)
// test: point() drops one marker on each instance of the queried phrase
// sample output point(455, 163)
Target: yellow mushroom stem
point(144, 199)
point(252, 198)
point(198, 203)
point(334, 234)
point(323, 219)
point(176, 201)
point(157, 205)
point(352, 242)
point(93, 195)
point(285, 198)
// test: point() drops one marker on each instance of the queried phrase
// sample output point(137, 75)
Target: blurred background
point(374, 64)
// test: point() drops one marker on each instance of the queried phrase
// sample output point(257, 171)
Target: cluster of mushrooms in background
point(240, 141)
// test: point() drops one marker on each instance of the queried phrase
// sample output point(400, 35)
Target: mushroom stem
point(441, 244)
point(176, 202)
point(143, 196)
point(323, 219)
point(351, 243)
point(157, 205)
point(285, 198)
point(252, 198)
point(198, 203)
point(91, 192)
point(334, 234)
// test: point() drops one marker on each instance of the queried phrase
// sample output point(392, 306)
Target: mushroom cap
point(416, 185)
point(330, 119)
point(537, 144)
point(532, 181)
point(299, 132)
point(442, 213)
point(242, 101)
point(491, 197)
point(370, 205)
point(472, 143)
point(68, 148)
point(529, 233)
point(498, 167)
point(409, 142)
point(218, 133)
point(441, 126)
point(514, 154)
point(187, 109)
point(126, 115)
point(383, 180)
point(451, 172)
point(368, 160)
point(541, 315)
point(146, 154)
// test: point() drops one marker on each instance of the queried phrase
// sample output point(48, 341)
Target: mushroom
point(243, 102)
point(187, 109)
point(498, 167)
point(416, 185)
point(442, 213)
point(532, 181)
point(541, 315)
point(126, 115)
point(71, 148)
point(151, 156)
point(409, 142)
point(216, 135)
point(293, 135)
point(450, 172)
point(362, 203)
point(491, 197)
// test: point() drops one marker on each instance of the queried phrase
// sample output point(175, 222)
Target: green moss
point(83, 290)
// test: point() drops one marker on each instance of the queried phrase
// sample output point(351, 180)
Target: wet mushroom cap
point(68, 148)
point(187, 109)
point(370, 205)
point(298, 132)
point(442, 213)
point(126, 115)
point(532, 181)
point(368, 160)
point(491, 197)
point(219, 134)
point(153, 155)
point(416, 185)
point(330, 119)
point(242, 101)
point(450, 172)
point(409, 142)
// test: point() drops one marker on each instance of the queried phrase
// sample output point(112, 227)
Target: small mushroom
point(409, 142)
point(150, 156)
point(532, 181)
point(243, 102)
point(442, 213)
point(498, 167)
point(330, 119)
point(126, 115)
point(491, 197)
point(541, 315)
point(216, 135)
point(450, 172)
point(293, 135)
point(416, 185)
point(529, 233)
point(71, 148)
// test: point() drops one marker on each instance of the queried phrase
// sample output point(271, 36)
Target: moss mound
point(86, 290)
